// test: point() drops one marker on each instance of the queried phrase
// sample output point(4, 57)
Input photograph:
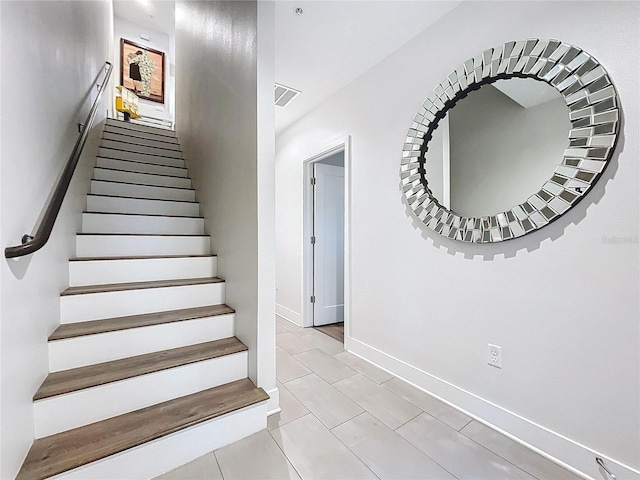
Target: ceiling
point(334, 42)
point(325, 48)
point(156, 15)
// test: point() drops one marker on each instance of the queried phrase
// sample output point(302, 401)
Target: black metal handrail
point(34, 243)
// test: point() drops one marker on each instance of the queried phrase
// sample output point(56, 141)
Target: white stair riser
point(64, 412)
point(105, 347)
point(126, 132)
point(99, 187)
point(140, 157)
point(166, 453)
point(129, 245)
point(94, 306)
point(97, 272)
point(134, 205)
point(131, 147)
point(141, 128)
point(141, 167)
point(141, 178)
point(115, 223)
point(137, 140)
point(159, 123)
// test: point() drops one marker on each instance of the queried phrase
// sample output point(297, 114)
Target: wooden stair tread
point(66, 381)
point(139, 173)
point(67, 450)
point(80, 329)
point(136, 198)
point(139, 257)
point(94, 212)
point(131, 141)
point(143, 153)
point(135, 134)
point(118, 287)
point(117, 130)
point(140, 162)
point(142, 184)
point(144, 234)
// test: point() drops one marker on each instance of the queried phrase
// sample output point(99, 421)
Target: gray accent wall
point(221, 112)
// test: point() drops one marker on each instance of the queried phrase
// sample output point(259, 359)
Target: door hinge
point(313, 180)
point(313, 240)
point(313, 299)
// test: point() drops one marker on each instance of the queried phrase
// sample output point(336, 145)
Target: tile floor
point(343, 418)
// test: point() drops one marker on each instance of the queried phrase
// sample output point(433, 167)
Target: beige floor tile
point(202, 468)
point(385, 452)
point(324, 365)
point(292, 344)
point(330, 406)
point(280, 329)
point(365, 368)
point(323, 342)
point(289, 326)
point(526, 459)
point(290, 406)
point(316, 453)
point(461, 456)
point(288, 368)
point(434, 407)
point(386, 406)
point(255, 457)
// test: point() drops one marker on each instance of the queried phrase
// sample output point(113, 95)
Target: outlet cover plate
point(494, 355)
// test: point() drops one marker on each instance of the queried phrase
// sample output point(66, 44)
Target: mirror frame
point(593, 111)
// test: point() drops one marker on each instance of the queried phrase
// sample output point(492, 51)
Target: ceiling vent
point(284, 95)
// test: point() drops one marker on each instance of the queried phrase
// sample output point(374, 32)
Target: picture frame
point(142, 70)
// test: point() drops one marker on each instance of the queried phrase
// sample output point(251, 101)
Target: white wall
point(562, 302)
point(51, 54)
point(224, 97)
point(158, 41)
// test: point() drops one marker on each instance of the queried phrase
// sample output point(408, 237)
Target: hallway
point(343, 418)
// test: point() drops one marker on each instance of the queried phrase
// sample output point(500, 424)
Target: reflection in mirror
point(497, 146)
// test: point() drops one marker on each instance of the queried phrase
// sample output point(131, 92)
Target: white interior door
point(328, 252)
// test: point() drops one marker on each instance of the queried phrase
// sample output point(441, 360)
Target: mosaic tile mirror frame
point(593, 107)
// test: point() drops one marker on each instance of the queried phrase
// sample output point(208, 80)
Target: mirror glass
point(496, 146)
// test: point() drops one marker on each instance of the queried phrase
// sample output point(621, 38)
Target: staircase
point(145, 371)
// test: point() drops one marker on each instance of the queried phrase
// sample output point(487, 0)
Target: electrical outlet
point(494, 355)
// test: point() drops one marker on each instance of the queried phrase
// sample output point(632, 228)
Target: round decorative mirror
point(535, 124)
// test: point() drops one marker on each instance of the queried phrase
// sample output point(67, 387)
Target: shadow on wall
point(533, 240)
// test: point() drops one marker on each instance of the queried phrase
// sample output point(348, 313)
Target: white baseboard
point(273, 404)
point(568, 453)
point(288, 314)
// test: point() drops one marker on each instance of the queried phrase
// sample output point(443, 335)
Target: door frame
point(331, 148)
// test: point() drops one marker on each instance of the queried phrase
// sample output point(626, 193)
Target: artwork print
point(142, 70)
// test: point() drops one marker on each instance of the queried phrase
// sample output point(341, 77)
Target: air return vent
point(284, 95)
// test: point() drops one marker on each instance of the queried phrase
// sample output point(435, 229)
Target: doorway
point(326, 255)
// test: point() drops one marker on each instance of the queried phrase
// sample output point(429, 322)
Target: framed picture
point(142, 70)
